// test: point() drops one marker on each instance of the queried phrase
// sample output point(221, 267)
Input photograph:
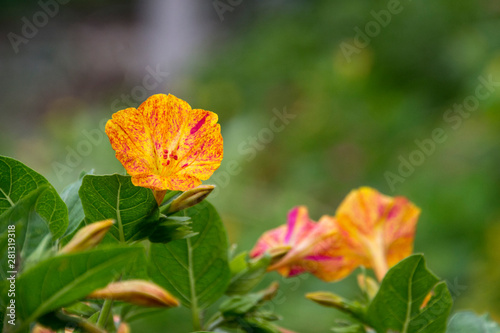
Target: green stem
point(119, 217)
point(196, 318)
point(195, 311)
point(194, 300)
point(105, 311)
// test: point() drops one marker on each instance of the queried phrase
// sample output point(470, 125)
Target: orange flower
point(166, 145)
point(377, 229)
point(313, 247)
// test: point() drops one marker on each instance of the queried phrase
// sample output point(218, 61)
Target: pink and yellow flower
point(369, 229)
point(313, 247)
point(378, 230)
point(166, 145)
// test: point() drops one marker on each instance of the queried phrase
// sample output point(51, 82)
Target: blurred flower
point(370, 229)
point(377, 229)
point(165, 145)
point(123, 328)
point(313, 247)
point(138, 292)
point(88, 237)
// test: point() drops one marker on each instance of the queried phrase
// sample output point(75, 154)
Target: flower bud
point(88, 237)
point(368, 285)
point(138, 292)
point(278, 252)
point(190, 198)
point(331, 300)
point(271, 291)
point(41, 329)
point(123, 328)
point(326, 299)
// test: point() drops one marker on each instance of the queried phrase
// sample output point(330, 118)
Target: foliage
point(117, 244)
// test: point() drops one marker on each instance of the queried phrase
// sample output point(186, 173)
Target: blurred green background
point(353, 119)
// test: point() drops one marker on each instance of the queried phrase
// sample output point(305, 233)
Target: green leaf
point(37, 242)
point(239, 309)
point(17, 182)
point(137, 268)
point(246, 274)
point(58, 321)
point(65, 279)
point(345, 327)
point(42, 251)
point(196, 269)
point(75, 209)
point(240, 305)
point(134, 208)
point(171, 228)
point(30, 231)
point(81, 309)
point(131, 312)
point(469, 322)
point(2, 316)
point(402, 292)
point(257, 325)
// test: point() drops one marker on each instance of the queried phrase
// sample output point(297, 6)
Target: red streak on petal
point(393, 212)
point(292, 219)
point(199, 124)
point(296, 271)
point(319, 257)
point(185, 165)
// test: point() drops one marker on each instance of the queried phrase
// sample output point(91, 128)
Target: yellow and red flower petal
point(315, 239)
point(327, 266)
point(319, 253)
point(399, 231)
point(269, 240)
point(297, 228)
point(376, 228)
point(130, 137)
point(314, 247)
point(164, 144)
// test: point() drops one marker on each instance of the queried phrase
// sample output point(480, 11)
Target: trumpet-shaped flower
point(166, 145)
point(311, 247)
point(377, 229)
